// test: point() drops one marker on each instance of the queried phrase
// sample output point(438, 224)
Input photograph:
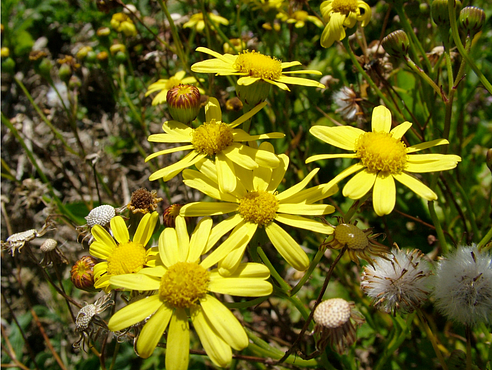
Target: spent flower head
point(398, 282)
point(182, 287)
point(384, 158)
point(463, 286)
point(340, 15)
point(143, 201)
point(336, 323)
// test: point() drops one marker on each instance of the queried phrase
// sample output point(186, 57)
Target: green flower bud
point(396, 44)
point(253, 94)
point(44, 68)
point(74, 82)
point(8, 66)
point(440, 12)
point(65, 72)
point(103, 32)
point(184, 103)
point(83, 51)
point(5, 52)
point(115, 48)
point(91, 57)
point(120, 57)
point(472, 20)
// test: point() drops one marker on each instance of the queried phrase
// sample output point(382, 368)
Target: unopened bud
point(170, 214)
point(184, 103)
point(440, 12)
point(396, 44)
point(472, 19)
point(82, 273)
point(83, 51)
point(65, 72)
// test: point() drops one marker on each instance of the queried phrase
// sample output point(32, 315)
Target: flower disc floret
point(259, 207)
point(258, 65)
point(183, 284)
point(379, 151)
point(212, 137)
point(345, 6)
point(127, 258)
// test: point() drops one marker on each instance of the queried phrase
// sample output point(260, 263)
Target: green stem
point(371, 83)
point(174, 32)
point(485, 239)
point(437, 225)
point(432, 338)
point(425, 77)
point(461, 49)
point(283, 285)
point(353, 209)
point(307, 274)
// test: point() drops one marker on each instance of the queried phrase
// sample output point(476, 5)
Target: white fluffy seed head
point(399, 282)
point(463, 286)
point(332, 313)
point(100, 215)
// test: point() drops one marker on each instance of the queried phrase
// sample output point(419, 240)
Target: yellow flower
point(253, 66)
point(383, 159)
point(122, 256)
point(256, 203)
point(167, 84)
point(123, 23)
point(181, 284)
point(299, 17)
point(340, 14)
point(217, 139)
point(198, 23)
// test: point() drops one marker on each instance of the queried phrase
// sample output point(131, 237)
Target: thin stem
point(425, 77)
point(485, 239)
point(437, 225)
point(312, 266)
point(283, 285)
point(174, 32)
point(456, 37)
point(432, 338)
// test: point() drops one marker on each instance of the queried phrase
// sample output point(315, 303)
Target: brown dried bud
point(170, 214)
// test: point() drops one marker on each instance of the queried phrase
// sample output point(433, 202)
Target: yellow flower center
point(379, 151)
point(351, 236)
point(258, 207)
point(212, 137)
point(173, 81)
point(344, 6)
point(258, 65)
point(127, 258)
point(183, 284)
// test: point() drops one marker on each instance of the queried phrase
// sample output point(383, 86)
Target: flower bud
point(65, 72)
point(91, 57)
point(472, 20)
point(183, 102)
point(83, 51)
point(103, 31)
point(396, 44)
point(170, 214)
point(5, 52)
point(8, 66)
point(74, 82)
point(82, 273)
point(253, 94)
point(440, 13)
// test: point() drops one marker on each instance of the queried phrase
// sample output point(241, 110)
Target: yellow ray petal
point(222, 228)
point(298, 187)
point(381, 119)
point(400, 130)
point(168, 247)
point(359, 185)
point(299, 81)
point(152, 331)
point(430, 166)
point(224, 323)
point(145, 228)
point(305, 223)
point(135, 282)
point(428, 144)
point(183, 239)
point(340, 136)
point(305, 209)
point(287, 247)
point(167, 151)
point(384, 195)
point(198, 209)
point(319, 157)
point(278, 172)
point(242, 155)
point(198, 180)
point(229, 263)
point(119, 229)
point(217, 349)
point(178, 343)
point(100, 249)
point(416, 186)
point(212, 110)
point(199, 239)
point(134, 313)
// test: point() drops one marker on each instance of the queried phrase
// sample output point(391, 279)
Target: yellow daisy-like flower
point(383, 159)
point(217, 139)
point(121, 256)
point(181, 284)
point(164, 85)
point(253, 66)
point(299, 18)
point(256, 203)
point(339, 15)
point(196, 21)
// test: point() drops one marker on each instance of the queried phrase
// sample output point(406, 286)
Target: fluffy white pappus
point(399, 282)
point(463, 286)
point(348, 102)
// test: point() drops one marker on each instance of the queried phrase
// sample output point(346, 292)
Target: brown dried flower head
point(336, 323)
point(143, 201)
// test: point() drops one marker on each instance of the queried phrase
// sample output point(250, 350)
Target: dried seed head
point(336, 322)
point(48, 245)
point(100, 215)
point(143, 201)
